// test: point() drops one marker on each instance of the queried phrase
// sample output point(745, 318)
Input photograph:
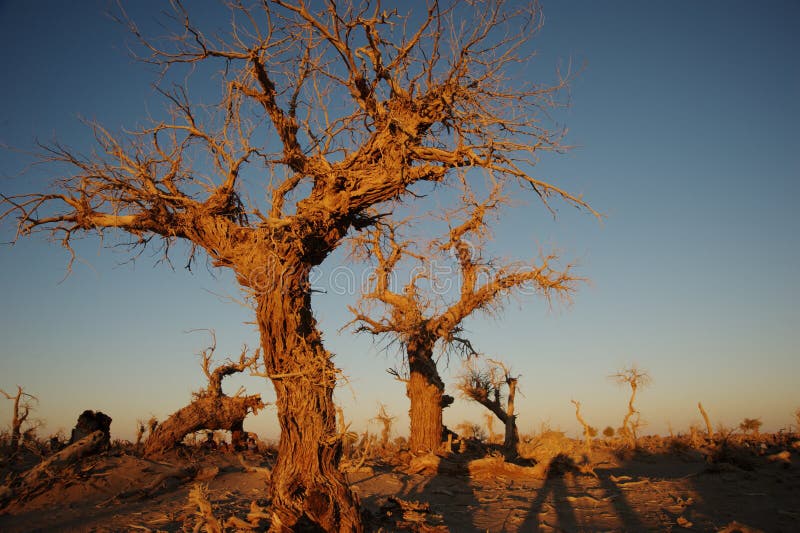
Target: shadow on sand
point(638, 492)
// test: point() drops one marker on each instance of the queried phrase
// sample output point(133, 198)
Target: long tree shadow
point(624, 511)
point(556, 494)
point(565, 515)
point(450, 493)
point(655, 488)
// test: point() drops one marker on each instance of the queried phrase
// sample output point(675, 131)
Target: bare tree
point(709, 429)
point(751, 425)
point(588, 431)
point(491, 435)
point(330, 109)
point(210, 409)
point(485, 386)
point(386, 421)
point(635, 378)
point(23, 403)
point(420, 319)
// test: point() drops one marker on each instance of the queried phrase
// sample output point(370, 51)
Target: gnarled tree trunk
point(206, 412)
point(425, 389)
point(308, 492)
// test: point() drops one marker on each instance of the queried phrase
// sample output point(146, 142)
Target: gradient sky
point(685, 126)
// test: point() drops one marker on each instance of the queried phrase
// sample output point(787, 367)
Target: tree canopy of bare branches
point(325, 111)
point(420, 319)
point(635, 378)
point(485, 386)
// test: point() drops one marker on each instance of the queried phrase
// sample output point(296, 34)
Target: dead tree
point(420, 319)
point(491, 436)
point(485, 386)
point(88, 423)
point(709, 429)
point(23, 403)
point(210, 409)
point(588, 431)
point(332, 109)
point(635, 378)
point(386, 421)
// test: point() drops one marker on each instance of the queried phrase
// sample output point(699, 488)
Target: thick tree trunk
point(425, 389)
point(308, 491)
point(209, 412)
point(509, 420)
point(512, 434)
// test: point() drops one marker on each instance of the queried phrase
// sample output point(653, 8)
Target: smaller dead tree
point(431, 307)
point(23, 404)
point(636, 379)
point(492, 436)
point(386, 420)
point(588, 431)
point(210, 408)
point(709, 429)
point(751, 425)
point(485, 386)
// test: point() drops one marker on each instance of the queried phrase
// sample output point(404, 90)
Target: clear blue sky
point(685, 125)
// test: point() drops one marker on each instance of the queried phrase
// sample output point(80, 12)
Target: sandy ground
point(671, 490)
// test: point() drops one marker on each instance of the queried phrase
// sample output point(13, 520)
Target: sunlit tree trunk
point(512, 434)
point(425, 389)
point(307, 487)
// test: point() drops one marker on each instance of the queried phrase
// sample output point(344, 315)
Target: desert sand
point(742, 484)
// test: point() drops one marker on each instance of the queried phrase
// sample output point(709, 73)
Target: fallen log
point(203, 413)
point(42, 474)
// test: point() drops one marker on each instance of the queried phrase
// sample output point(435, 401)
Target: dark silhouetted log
point(42, 474)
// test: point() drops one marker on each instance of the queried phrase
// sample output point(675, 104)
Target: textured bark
point(412, 106)
point(425, 389)
point(210, 412)
point(308, 491)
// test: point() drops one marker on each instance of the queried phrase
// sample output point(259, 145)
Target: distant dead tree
point(325, 112)
point(704, 414)
point(491, 436)
point(636, 379)
point(419, 318)
point(485, 386)
point(751, 425)
point(588, 431)
point(210, 409)
point(23, 404)
point(386, 420)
